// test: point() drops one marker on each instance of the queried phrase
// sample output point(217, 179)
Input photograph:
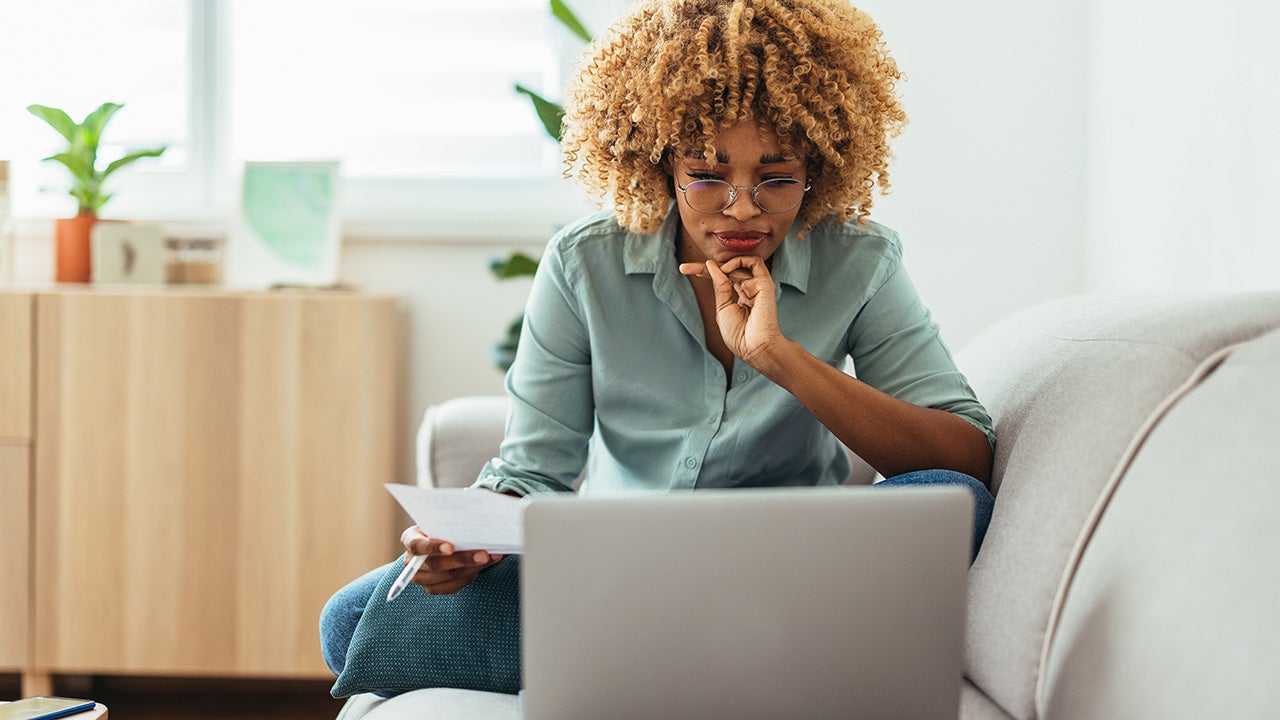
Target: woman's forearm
point(891, 435)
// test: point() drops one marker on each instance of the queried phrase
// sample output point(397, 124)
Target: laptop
point(745, 604)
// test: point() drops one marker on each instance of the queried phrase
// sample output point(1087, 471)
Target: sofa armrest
point(457, 437)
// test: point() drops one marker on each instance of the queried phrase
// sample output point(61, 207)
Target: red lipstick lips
point(740, 241)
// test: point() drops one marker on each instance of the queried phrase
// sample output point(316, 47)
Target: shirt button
point(742, 376)
point(691, 463)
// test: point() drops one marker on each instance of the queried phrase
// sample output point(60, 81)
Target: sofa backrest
point(1171, 611)
point(1069, 385)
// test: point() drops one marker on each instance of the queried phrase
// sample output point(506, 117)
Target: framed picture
point(127, 253)
point(287, 230)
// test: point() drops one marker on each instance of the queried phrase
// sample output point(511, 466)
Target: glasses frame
point(733, 194)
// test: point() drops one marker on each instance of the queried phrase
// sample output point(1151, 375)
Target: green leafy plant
point(552, 113)
point(81, 155)
point(517, 264)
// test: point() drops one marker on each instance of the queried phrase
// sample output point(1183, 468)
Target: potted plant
point(80, 157)
point(518, 264)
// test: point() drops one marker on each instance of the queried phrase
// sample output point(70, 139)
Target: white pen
point(406, 576)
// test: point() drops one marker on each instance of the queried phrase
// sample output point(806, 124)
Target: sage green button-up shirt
point(613, 373)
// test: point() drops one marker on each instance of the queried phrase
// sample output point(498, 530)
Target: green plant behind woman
point(518, 264)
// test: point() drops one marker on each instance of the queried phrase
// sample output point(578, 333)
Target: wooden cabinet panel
point(15, 562)
point(15, 367)
point(208, 471)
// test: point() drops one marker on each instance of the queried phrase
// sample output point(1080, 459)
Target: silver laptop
point(790, 603)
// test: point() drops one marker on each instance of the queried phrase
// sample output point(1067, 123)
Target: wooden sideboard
point(15, 483)
point(188, 475)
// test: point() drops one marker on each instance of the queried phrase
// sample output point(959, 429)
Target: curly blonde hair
point(672, 73)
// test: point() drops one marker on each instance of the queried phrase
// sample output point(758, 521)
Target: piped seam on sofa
point(1197, 376)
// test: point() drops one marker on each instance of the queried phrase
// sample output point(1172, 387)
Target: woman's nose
point(743, 206)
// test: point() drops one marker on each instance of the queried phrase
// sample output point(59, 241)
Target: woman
point(693, 335)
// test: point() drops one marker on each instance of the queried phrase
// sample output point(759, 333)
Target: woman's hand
point(444, 572)
point(746, 304)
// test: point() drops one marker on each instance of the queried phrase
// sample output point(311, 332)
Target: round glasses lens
point(709, 196)
point(779, 196)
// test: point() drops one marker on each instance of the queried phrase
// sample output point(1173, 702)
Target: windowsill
point(495, 211)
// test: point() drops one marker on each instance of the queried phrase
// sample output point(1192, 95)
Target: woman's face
point(744, 157)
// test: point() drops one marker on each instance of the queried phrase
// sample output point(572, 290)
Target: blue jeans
point(341, 614)
point(983, 502)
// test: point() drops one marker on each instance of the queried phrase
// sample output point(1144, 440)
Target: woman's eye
point(703, 175)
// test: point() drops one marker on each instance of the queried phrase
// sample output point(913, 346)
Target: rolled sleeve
point(896, 348)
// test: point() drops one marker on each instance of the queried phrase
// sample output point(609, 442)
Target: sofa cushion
point(1171, 613)
point(434, 704)
point(1069, 383)
point(470, 639)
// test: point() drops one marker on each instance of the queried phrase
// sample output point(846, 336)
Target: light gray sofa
point(1130, 567)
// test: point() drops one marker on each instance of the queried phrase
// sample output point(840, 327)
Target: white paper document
point(470, 519)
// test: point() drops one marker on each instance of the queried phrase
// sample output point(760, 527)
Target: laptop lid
point(814, 603)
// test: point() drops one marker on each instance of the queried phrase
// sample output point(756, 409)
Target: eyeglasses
point(772, 196)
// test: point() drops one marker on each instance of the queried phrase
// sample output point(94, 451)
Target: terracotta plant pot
point(71, 250)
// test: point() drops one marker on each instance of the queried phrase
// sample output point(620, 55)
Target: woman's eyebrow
point(722, 159)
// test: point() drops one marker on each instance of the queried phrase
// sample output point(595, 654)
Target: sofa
point(1127, 571)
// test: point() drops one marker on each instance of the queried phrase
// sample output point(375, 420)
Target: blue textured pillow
point(468, 640)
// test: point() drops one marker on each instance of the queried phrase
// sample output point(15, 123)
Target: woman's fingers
point(446, 570)
point(700, 270)
point(745, 266)
point(453, 579)
point(721, 283)
point(455, 561)
point(694, 269)
point(748, 290)
point(417, 542)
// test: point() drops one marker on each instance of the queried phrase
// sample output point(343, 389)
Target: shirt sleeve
point(549, 383)
point(896, 348)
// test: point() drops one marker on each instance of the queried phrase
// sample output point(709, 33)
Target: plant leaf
point(81, 171)
point(569, 20)
point(551, 114)
point(95, 122)
point(57, 119)
point(117, 164)
point(516, 265)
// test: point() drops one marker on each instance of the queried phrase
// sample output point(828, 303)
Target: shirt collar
point(645, 253)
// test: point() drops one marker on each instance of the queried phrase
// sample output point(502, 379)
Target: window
point(414, 99)
point(131, 51)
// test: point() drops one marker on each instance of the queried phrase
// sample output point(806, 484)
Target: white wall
point(454, 312)
point(1184, 145)
point(989, 181)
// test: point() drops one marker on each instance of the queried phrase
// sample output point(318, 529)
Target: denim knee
point(340, 616)
point(983, 501)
